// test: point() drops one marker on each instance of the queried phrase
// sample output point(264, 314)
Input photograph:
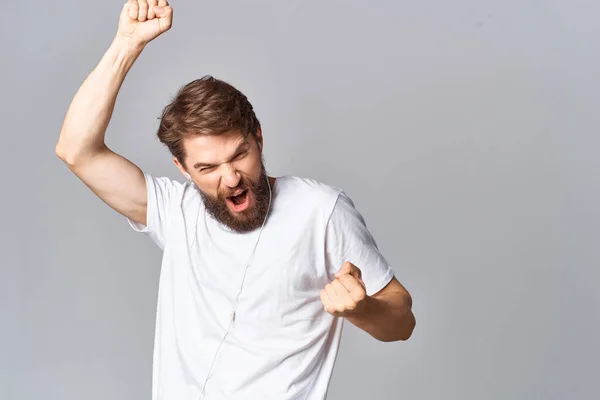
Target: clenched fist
point(143, 20)
point(346, 294)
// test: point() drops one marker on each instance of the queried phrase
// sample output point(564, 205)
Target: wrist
point(363, 310)
point(122, 53)
point(127, 46)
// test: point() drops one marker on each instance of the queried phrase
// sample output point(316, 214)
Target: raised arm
point(113, 178)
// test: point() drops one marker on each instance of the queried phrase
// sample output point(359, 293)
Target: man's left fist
point(346, 294)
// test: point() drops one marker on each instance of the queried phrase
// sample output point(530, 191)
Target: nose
point(231, 177)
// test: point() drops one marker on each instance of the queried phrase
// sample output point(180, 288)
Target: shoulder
point(308, 189)
point(305, 197)
point(170, 191)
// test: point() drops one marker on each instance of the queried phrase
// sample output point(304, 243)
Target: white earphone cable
point(235, 303)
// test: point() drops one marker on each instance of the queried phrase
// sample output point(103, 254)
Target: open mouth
point(239, 202)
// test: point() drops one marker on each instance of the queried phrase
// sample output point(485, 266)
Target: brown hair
point(205, 106)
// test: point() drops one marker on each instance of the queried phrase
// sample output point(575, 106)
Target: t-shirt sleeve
point(348, 239)
point(162, 191)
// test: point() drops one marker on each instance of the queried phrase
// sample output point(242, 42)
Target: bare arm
point(113, 178)
point(386, 315)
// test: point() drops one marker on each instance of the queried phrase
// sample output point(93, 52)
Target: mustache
point(243, 185)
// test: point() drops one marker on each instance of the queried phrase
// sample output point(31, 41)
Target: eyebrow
point(237, 151)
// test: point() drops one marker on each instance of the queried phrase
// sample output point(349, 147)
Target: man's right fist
point(143, 20)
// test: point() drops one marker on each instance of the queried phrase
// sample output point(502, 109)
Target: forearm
point(92, 106)
point(387, 317)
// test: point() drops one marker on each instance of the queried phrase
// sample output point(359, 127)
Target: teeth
point(237, 193)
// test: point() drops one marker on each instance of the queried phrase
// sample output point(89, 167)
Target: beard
point(249, 219)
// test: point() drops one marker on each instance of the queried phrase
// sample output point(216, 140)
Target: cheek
point(250, 166)
point(209, 185)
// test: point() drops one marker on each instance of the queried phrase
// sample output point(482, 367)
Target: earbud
point(189, 176)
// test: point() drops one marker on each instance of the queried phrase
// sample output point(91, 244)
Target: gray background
point(466, 132)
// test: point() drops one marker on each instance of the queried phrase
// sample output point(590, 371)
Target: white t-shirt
point(282, 344)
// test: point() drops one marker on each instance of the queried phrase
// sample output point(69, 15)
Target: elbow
point(408, 331)
point(61, 149)
point(67, 158)
point(60, 152)
point(407, 323)
point(404, 330)
point(75, 155)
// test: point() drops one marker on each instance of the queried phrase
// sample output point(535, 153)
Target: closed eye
point(240, 155)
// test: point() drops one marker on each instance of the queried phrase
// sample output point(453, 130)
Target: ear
point(181, 168)
point(259, 138)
